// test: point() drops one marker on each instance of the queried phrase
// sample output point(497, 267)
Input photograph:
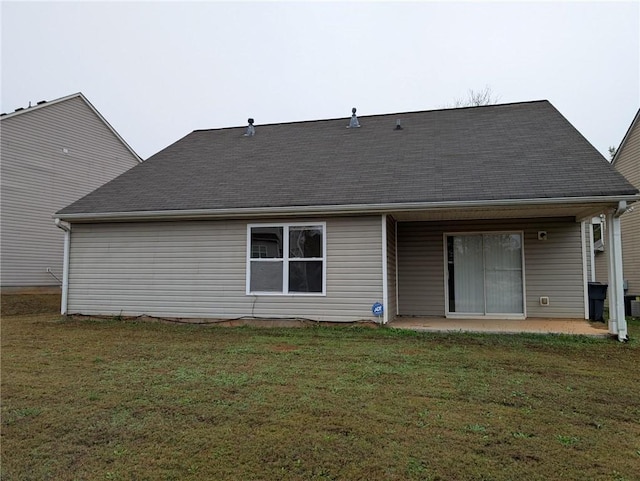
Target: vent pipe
point(398, 125)
point(251, 130)
point(353, 123)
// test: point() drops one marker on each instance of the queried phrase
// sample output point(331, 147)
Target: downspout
point(616, 308)
point(65, 269)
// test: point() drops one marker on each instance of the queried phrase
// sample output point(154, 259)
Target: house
point(627, 161)
point(474, 212)
point(53, 153)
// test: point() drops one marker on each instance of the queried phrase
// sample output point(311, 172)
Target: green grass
point(122, 400)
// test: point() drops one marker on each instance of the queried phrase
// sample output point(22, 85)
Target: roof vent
point(353, 123)
point(251, 130)
point(42, 102)
point(19, 109)
point(398, 125)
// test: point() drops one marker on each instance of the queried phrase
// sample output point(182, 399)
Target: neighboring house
point(627, 162)
point(474, 212)
point(52, 154)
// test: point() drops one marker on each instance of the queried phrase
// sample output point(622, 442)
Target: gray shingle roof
point(511, 151)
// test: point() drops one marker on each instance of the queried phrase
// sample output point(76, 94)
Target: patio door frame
point(463, 315)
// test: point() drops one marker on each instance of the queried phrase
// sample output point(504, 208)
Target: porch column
point(617, 321)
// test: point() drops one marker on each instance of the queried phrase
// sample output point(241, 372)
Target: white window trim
point(285, 260)
point(458, 315)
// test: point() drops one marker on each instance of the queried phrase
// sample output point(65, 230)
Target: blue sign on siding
point(377, 309)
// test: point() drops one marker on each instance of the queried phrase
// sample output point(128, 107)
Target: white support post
point(385, 280)
point(585, 276)
point(617, 321)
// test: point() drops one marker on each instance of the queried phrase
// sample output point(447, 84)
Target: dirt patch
point(21, 304)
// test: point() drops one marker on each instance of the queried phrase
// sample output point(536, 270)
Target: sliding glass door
point(485, 274)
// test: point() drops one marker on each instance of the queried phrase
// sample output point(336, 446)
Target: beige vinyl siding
point(197, 269)
point(39, 178)
point(553, 267)
point(391, 268)
point(420, 269)
point(602, 266)
point(628, 164)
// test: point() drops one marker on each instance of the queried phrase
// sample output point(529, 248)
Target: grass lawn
point(110, 400)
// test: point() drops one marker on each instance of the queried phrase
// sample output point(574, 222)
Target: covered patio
point(579, 327)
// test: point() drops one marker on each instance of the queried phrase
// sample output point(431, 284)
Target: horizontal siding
point(391, 306)
point(420, 269)
point(602, 266)
point(553, 268)
point(198, 270)
point(38, 179)
point(630, 226)
point(628, 164)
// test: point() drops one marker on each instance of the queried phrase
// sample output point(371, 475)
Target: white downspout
point(65, 269)
point(617, 321)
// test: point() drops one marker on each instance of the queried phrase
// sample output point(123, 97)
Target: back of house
point(53, 153)
point(476, 213)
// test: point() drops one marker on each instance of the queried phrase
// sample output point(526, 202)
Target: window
point(598, 234)
point(286, 259)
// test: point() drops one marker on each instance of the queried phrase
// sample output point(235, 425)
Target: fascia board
point(636, 119)
point(334, 209)
point(41, 106)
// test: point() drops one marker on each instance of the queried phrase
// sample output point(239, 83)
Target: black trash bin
point(597, 295)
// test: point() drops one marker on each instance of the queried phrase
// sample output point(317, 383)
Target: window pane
point(503, 273)
point(305, 242)
point(266, 242)
point(468, 274)
point(305, 276)
point(266, 276)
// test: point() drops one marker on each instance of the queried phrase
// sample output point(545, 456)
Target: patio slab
point(506, 326)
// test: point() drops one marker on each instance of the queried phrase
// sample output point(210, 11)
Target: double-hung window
point(286, 259)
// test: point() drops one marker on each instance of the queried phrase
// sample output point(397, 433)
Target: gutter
point(65, 269)
point(337, 209)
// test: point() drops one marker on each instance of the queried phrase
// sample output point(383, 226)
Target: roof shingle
point(511, 151)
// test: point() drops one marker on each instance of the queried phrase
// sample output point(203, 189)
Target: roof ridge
point(507, 104)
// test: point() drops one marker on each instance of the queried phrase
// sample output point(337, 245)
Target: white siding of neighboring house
point(628, 164)
point(553, 268)
point(39, 178)
point(197, 269)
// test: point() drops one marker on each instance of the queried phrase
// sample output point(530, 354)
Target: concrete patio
point(505, 326)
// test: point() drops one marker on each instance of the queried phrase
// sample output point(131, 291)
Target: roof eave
point(635, 120)
point(347, 209)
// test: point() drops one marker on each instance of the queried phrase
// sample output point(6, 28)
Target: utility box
point(635, 309)
point(597, 295)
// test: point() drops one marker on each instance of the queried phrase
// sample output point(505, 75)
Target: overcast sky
point(158, 70)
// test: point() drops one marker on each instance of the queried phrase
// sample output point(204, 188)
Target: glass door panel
point(485, 274)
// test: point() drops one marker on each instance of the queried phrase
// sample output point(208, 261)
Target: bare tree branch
point(476, 98)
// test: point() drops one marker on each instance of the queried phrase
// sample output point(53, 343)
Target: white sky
point(158, 70)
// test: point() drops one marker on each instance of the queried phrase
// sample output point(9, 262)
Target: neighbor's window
point(286, 259)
